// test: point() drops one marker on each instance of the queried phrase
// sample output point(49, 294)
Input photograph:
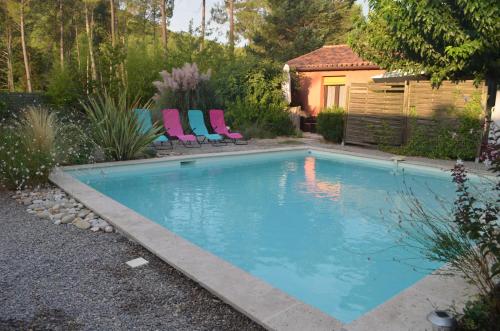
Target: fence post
point(406, 112)
point(346, 114)
point(487, 119)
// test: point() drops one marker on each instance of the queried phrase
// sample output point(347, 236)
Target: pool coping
point(268, 306)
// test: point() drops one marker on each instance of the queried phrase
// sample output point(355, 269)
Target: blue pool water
point(307, 223)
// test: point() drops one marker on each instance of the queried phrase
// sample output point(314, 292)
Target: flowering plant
point(183, 88)
point(34, 142)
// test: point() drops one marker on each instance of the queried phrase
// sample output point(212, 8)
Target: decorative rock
point(90, 216)
point(81, 224)
point(53, 211)
point(43, 215)
point(83, 213)
point(55, 205)
point(102, 223)
point(49, 204)
point(93, 222)
point(67, 219)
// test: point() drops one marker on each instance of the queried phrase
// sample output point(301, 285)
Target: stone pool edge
point(266, 305)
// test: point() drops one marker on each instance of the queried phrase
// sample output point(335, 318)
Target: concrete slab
point(135, 263)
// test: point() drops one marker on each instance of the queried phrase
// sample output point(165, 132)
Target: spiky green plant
point(115, 128)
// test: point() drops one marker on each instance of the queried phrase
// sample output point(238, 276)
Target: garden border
point(266, 305)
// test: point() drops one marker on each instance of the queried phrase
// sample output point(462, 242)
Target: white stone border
point(266, 305)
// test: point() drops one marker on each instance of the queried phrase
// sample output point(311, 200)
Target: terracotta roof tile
point(333, 57)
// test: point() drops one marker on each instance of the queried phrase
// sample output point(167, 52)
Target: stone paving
point(308, 140)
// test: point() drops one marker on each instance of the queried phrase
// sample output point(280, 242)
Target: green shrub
point(480, 314)
point(4, 113)
point(253, 98)
point(28, 149)
point(459, 140)
point(330, 124)
point(64, 89)
point(115, 128)
point(257, 120)
point(74, 144)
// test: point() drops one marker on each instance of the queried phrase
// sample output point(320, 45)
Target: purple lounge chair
point(219, 125)
point(173, 128)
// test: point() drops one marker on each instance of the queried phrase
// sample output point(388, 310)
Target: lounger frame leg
point(238, 141)
point(190, 145)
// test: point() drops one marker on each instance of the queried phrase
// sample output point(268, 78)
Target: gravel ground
point(57, 277)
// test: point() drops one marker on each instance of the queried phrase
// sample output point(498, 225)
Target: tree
point(295, 27)
point(245, 21)
point(203, 24)
point(230, 11)
point(166, 10)
point(6, 46)
point(448, 40)
point(89, 27)
point(113, 22)
point(25, 48)
point(61, 33)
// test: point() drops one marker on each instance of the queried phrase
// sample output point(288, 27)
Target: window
point(334, 91)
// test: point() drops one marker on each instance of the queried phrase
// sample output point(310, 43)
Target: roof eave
point(342, 68)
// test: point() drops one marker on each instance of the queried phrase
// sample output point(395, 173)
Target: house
point(324, 76)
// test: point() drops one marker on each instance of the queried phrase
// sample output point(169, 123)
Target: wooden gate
point(375, 114)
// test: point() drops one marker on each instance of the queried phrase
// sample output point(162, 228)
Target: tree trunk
point(124, 45)
point(122, 67)
point(90, 36)
point(203, 9)
point(61, 33)
point(87, 74)
point(163, 12)
point(25, 51)
point(78, 56)
point(231, 26)
point(10, 70)
point(154, 24)
point(113, 22)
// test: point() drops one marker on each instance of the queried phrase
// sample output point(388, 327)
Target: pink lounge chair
point(219, 125)
point(173, 128)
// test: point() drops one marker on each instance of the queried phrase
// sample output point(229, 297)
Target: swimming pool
point(306, 222)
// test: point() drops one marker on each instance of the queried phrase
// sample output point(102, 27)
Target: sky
point(187, 10)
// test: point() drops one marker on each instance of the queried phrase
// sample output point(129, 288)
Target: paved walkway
point(309, 139)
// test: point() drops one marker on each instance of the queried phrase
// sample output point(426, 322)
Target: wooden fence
point(375, 113)
point(382, 113)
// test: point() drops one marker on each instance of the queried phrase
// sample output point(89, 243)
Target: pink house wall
point(311, 90)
